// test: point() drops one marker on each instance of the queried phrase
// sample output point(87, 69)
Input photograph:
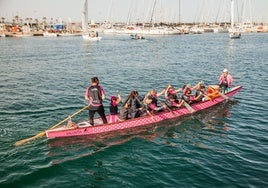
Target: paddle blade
point(22, 142)
point(189, 108)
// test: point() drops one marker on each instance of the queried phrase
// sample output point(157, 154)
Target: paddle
point(41, 134)
point(165, 105)
point(169, 109)
point(189, 108)
point(151, 114)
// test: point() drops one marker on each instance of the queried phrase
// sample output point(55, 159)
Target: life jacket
point(199, 92)
point(123, 113)
point(113, 106)
point(172, 96)
point(94, 94)
point(226, 80)
point(135, 104)
point(213, 92)
point(172, 99)
point(144, 109)
point(113, 109)
point(154, 99)
point(187, 97)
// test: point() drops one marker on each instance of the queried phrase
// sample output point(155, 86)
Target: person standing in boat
point(225, 81)
point(95, 95)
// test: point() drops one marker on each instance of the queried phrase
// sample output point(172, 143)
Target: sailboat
point(233, 32)
point(90, 36)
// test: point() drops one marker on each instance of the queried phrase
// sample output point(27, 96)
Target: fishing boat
point(89, 36)
point(83, 128)
point(234, 33)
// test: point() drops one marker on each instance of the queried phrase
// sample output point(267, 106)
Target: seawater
point(43, 80)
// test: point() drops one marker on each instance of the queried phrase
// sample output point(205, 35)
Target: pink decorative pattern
point(86, 129)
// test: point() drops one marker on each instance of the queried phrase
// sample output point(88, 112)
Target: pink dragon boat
point(83, 128)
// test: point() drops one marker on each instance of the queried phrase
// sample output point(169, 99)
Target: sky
point(135, 10)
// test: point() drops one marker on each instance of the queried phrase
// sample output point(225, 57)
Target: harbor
point(61, 29)
point(226, 17)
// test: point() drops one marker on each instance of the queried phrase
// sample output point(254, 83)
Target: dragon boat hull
point(84, 128)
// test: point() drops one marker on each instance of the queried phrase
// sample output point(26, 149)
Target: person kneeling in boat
point(114, 104)
point(148, 108)
point(136, 105)
point(200, 94)
point(127, 107)
point(171, 97)
point(225, 81)
point(114, 108)
point(154, 96)
point(187, 94)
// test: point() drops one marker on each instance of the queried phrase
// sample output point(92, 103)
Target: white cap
point(225, 70)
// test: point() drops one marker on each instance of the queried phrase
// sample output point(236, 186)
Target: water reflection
point(201, 131)
point(216, 117)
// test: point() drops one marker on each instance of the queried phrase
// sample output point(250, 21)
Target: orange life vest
point(213, 92)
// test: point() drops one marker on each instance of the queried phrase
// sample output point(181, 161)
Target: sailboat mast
point(179, 11)
point(151, 21)
point(108, 18)
point(232, 14)
point(85, 18)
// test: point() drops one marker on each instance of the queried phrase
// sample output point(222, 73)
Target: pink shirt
point(228, 79)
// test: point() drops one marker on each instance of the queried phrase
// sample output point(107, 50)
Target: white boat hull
point(89, 38)
point(69, 34)
point(235, 35)
point(47, 34)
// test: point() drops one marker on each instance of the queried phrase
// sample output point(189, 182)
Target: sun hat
point(225, 70)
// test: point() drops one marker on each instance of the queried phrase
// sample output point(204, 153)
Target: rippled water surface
point(43, 80)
